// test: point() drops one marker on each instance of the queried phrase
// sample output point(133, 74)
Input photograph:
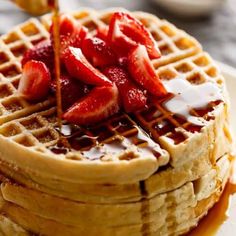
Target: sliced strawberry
point(143, 72)
point(133, 98)
point(71, 90)
point(67, 26)
point(125, 32)
point(123, 61)
point(35, 81)
point(74, 40)
point(102, 32)
point(71, 34)
point(79, 67)
point(43, 51)
point(98, 52)
point(98, 105)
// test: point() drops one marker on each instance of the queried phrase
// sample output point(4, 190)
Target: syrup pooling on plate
point(220, 212)
point(112, 139)
point(192, 101)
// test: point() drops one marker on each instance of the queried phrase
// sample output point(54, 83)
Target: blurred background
point(212, 22)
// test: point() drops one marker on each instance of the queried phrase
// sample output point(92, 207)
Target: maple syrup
point(177, 137)
point(56, 45)
point(145, 210)
point(95, 142)
point(216, 217)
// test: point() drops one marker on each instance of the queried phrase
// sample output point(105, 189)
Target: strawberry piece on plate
point(98, 105)
point(132, 97)
point(71, 34)
point(43, 51)
point(71, 90)
point(126, 32)
point(35, 81)
point(143, 72)
point(79, 67)
point(98, 52)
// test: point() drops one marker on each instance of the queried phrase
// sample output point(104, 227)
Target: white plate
point(221, 220)
point(192, 8)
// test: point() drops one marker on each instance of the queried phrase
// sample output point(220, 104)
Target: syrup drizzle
point(56, 41)
point(95, 142)
point(211, 223)
point(145, 209)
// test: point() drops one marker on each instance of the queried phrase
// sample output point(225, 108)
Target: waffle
point(188, 202)
point(150, 173)
point(40, 138)
point(12, 47)
point(178, 135)
point(7, 227)
point(133, 164)
point(161, 182)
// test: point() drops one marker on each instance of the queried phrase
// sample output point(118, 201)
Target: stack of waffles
point(152, 173)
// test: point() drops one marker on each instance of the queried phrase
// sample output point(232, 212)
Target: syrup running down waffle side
point(180, 209)
point(130, 168)
point(8, 227)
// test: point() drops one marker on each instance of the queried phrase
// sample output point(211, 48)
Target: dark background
point(217, 33)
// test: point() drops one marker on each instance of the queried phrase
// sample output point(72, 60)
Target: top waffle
point(122, 149)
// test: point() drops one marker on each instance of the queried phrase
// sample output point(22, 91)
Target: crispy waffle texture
point(165, 214)
point(152, 173)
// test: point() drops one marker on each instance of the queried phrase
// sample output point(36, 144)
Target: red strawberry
point(98, 105)
point(123, 61)
point(43, 51)
point(143, 72)
point(35, 81)
point(67, 26)
point(51, 3)
point(102, 32)
point(98, 52)
point(79, 67)
point(73, 40)
point(71, 90)
point(133, 98)
point(71, 34)
point(126, 32)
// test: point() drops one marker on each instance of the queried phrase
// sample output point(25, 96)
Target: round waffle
point(186, 204)
point(8, 227)
point(128, 169)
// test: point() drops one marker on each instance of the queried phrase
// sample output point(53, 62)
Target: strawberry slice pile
point(71, 34)
point(43, 52)
point(133, 98)
point(71, 90)
point(102, 73)
point(126, 32)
